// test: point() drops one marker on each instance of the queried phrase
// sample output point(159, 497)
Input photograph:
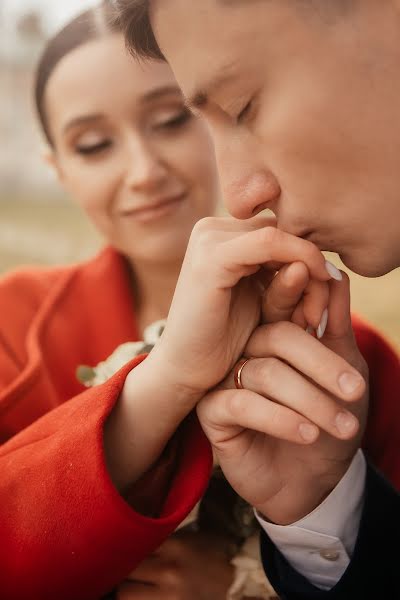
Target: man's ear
point(50, 157)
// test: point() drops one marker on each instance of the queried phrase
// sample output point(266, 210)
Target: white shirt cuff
point(320, 545)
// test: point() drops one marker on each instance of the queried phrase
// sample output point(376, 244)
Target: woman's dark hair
point(89, 25)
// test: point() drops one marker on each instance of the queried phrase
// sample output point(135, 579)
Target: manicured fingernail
point(349, 382)
point(346, 423)
point(308, 432)
point(333, 271)
point(322, 326)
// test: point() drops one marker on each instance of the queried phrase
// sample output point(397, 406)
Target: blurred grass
point(53, 232)
point(378, 300)
point(43, 232)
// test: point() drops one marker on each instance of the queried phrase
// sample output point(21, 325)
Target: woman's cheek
point(94, 198)
point(195, 156)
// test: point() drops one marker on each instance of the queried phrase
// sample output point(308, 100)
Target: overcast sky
point(56, 11)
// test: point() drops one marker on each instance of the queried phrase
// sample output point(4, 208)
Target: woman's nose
point(145, 170)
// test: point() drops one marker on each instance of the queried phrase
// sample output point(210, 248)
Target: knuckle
point(276, 331)
point(204, 225)
point(257, 340)
point(310, 250)
point(270, 368)
point(200, 240)
point(202, 244)
point(172, 576)
point(270, 235)
point(235, 405)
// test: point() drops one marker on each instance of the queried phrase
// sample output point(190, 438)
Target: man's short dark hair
point(134, 20)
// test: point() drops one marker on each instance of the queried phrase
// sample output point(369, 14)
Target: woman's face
point(128, 151)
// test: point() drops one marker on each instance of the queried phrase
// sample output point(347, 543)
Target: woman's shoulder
point(30, 286)
point(40, 305)
point(31, 296)
point(27, 296)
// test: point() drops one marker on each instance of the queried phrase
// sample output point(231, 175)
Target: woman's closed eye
point(92, 142)
point(174, 121)
point(93, 148)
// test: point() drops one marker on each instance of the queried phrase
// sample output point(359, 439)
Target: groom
point(302, 100)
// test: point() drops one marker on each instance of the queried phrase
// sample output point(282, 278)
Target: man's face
point(303, 103)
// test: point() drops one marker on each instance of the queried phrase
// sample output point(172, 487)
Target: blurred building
point(22, 172)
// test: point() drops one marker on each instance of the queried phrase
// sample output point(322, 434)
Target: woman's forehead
point(101, 73)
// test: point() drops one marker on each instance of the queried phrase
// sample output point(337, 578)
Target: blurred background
point(38, 224)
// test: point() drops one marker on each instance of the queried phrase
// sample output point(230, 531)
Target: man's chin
point(371, 268)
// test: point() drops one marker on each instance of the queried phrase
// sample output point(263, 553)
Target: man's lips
point(311, 237)
point(314, 238)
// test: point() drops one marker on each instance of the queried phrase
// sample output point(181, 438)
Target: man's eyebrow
point(200, 97)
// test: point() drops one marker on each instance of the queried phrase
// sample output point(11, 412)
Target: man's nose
point(248, 184)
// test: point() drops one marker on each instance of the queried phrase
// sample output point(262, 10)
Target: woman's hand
point(217, 302)
point(291, 295)
point(216, 307)
point(188, 565)
point(286, 440)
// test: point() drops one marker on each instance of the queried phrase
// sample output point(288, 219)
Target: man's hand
point(188, 565)
point(286, 440)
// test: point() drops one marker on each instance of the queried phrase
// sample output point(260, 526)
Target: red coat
point(65, 532)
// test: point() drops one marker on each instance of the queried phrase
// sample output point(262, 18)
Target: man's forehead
point(204, 51)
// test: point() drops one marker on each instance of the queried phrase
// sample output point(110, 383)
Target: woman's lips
point(154, 211)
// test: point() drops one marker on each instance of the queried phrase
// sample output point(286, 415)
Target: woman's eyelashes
point(91, 149)
point(175, 121)
point(93, 144)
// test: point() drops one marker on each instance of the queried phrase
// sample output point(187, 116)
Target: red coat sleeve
point(65, 531)
point(382, 437)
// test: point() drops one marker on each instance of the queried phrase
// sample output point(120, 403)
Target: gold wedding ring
point(237, 374)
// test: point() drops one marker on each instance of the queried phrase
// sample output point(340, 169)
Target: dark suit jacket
point(374, 571)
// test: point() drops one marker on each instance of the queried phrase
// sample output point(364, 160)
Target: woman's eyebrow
point(81, 120)
point(160, 92)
